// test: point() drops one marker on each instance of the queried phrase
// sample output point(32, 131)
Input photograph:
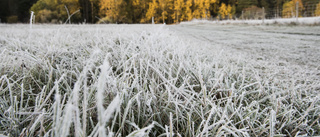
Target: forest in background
point(139, 11)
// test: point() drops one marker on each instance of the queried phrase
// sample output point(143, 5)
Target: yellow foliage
point(188, 12)
point(163, 5)
point(202, 8)
point(166, 9)
point(114, 9)
point(161, 10)
point(225, 10)
point(136, 2)
point(107, 7)
point(317, 11)
point(196, 12)
point(207, 5)
point(289, 8)
point(178, 6)
point(153, 6)
point(72, 5)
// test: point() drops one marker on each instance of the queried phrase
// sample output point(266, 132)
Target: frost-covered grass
point(144, 80)
point(282, 21)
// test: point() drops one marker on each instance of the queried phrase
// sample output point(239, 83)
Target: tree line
point(135, 11)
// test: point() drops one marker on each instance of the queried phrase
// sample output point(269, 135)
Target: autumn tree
point(152, 10)
point(45, 12)
point(178, 9)
point(196, 9)
point(142, 11)
point(225, 10)
point(71, 7)
point(188, 11)
point(206, 9)
point(138, 10)
point(164, 13)
point(124, 11)
point(54, 11)
point(115, 10)
point(289, 8)
point(202, 8)
point(317, 11)
point(108, 9)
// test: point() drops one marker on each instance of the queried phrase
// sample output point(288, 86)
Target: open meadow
point(159, 80)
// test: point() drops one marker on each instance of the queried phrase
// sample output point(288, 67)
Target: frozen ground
point(286, 47)
point(283, 21)
point(159, 80)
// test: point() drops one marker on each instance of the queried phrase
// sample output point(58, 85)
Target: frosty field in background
point(283, 21)
point(159, 80)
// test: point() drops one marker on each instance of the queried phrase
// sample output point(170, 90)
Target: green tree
point(44, 11)
point(56, 11)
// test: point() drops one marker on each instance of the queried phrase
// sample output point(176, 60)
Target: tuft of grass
point(143, 80)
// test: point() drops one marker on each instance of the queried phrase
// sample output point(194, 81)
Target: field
point(159, 80)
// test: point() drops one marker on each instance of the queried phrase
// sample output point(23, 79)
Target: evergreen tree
point(89, 10)
point(265, 4)
point(4, 12)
